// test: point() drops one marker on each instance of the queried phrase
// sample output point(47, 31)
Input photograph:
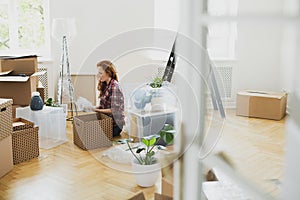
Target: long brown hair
point(110, 69)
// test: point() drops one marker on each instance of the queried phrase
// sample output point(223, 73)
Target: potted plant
point(156, 91)
point(157, 82)
point(145, 164)
point(149, 93)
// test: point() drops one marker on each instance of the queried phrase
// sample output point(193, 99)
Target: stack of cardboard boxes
point(18, 138)
point(18, 79)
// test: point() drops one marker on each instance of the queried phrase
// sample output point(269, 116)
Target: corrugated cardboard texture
point(6, 156)
point(20, 92)
point(20, 124)
point(5, 118)
point(25, 144)
point(26, 65)
point(259, 104)
point(92, 131)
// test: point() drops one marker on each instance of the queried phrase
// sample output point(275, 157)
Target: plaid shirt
point(113, 98)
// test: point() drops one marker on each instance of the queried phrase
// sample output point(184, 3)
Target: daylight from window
point(23, 27)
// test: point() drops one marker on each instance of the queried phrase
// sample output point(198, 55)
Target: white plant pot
point(157, 104)
point(145, 175)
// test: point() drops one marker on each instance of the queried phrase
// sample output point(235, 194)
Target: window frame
point(229, 8)
point(14, 49)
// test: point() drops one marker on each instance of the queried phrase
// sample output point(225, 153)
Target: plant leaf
point(149, 141)
point(167, 136)
point(139, 150)
point(152, 141)
point(151, 153)
point(145, 141)
point(168, 127)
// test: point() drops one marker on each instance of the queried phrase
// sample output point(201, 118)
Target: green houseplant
point(50, 102)
point(156, 82)
point(146, 155)
point(156, 91)
point(145, 165)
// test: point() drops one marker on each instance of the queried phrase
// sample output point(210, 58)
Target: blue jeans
point(117, 130)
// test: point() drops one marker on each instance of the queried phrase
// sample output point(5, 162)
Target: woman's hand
point(96, 109)
point(102, 110)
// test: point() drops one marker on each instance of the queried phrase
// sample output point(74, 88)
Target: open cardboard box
point(261, 104)
point(19, 78)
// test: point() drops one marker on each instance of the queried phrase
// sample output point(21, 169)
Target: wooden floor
point(256, 147)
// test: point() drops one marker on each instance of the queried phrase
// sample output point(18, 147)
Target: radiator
point(224, 77)
point(224, 80)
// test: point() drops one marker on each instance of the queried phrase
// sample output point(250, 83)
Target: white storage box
point(51, 122)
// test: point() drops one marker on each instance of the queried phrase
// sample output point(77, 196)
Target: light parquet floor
point(256, 148)
point(65, 172)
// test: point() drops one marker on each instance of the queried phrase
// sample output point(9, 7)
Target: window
point(24, 27)
point(221, 36)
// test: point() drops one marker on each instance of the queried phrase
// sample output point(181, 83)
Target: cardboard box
point(41, 90)
point(20, 124)
point(261, 104)
point(167, 186)
point(22, 79)
point(14, 107)
point(51, 122)
point(162, 197)
point(25, 141)
point(20, 65)
point(167, 180)
point(92, 131)
point(5, 118)
point(139, 196)
point(6, 156)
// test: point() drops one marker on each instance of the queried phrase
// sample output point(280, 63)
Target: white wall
point(167, 14)
point(264, 49)
point(96, 21)
point(264, 7)
point(262, 59)
point(258, 57)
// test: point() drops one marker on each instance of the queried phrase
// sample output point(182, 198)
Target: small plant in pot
point(145, 165)
point(156, 91)
point(50, 102)
point(156, 82)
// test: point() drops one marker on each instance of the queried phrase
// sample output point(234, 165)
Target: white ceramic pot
point(145, 175)
point(157, 104)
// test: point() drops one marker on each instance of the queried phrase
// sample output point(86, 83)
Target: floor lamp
point(63, 29)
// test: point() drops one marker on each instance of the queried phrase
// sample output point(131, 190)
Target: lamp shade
point(63, 27)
